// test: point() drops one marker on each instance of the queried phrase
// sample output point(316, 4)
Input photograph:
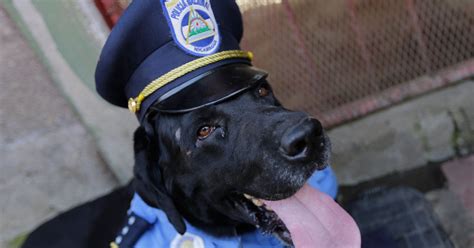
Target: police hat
point(175, 56)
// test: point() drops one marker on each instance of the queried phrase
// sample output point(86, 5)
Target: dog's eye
point(263, 91)
point(205, 131)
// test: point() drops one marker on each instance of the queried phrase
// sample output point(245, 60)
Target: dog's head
point(211, 164)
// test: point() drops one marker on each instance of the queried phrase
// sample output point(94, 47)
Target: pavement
point(49, 160)
point(61, 144)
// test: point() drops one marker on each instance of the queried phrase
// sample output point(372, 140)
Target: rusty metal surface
point(343, 59)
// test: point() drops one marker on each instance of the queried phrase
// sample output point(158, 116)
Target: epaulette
point(133, 228)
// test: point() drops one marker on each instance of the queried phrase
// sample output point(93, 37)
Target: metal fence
point(342, 59)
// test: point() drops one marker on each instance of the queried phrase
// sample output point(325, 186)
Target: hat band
point(134, 103)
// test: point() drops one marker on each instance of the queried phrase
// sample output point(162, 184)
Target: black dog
point(199, 165)
point(211, 166)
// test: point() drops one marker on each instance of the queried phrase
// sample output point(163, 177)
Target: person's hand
point(315, 220)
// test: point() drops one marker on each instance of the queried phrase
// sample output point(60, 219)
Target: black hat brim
point(209, 88)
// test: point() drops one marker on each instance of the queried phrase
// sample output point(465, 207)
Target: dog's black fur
point(255, 147)
point(202, 179)
point(92, 224)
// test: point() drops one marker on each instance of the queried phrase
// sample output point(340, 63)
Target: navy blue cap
point(160, 42)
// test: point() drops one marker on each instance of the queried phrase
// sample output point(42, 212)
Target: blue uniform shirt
point(162, 234)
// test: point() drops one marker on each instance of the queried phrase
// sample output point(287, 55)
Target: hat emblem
point(193, 25)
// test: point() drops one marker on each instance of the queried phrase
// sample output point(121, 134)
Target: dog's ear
point(148, 180)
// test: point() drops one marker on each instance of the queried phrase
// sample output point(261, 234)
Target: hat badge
point(193, 25)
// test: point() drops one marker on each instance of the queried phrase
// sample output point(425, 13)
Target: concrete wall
point(430, 128)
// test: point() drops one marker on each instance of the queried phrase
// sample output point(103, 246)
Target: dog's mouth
point(269, 221)
point(257, 213)
point(266, 219)
point(262, 216)
point(256, 207)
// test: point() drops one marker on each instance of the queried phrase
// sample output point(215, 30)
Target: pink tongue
point(314, 218)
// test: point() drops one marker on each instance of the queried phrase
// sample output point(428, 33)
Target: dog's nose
point(297, 139)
